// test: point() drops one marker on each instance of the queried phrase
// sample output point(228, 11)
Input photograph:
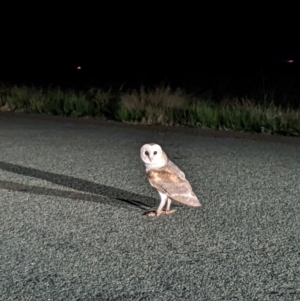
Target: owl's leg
point(168, 211)
point(159, 211)
point(163, 200)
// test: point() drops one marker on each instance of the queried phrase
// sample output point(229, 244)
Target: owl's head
point(152, 155)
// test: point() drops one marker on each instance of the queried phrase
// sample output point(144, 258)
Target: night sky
point(154, 42)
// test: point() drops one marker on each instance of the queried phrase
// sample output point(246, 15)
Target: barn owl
point(167, 178)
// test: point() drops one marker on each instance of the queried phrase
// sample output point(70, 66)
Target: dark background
point(197, 47)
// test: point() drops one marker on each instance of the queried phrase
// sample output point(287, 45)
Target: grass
point(161, 105)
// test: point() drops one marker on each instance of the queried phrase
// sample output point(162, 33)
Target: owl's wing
point(176, 169)
point(171, 182)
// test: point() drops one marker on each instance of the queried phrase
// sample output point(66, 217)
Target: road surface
point(73, 225)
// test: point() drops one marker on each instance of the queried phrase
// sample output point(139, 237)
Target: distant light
point(78, 68)
point(290, 61)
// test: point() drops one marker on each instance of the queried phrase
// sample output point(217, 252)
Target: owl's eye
point(155, 152)
point(146, 153)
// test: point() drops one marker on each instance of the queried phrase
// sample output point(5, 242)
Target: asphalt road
point(73, 225)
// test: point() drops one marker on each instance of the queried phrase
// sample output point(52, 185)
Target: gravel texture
point(73, 225)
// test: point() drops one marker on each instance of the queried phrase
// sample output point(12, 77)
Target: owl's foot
point(170, 211)
point(151, 214)
point(158, 213)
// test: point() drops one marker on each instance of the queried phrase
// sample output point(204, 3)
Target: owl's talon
point(170, 211)
point(151, 214)
point(155, 213)
point(158, 213)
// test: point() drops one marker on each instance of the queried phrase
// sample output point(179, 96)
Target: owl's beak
point(150, 158)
